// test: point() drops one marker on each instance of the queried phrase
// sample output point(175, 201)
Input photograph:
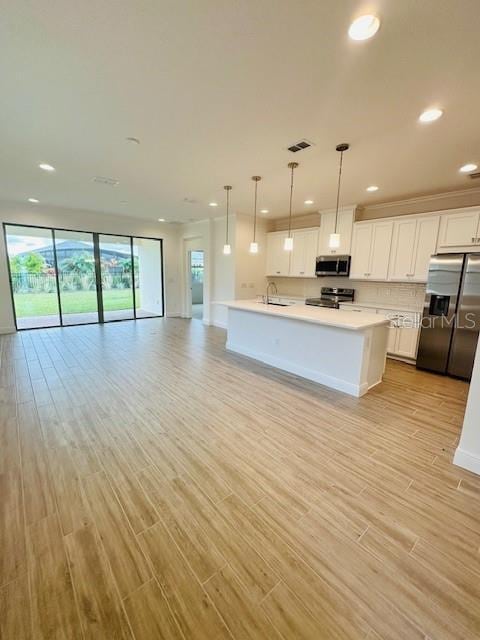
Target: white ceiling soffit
point(217, 90)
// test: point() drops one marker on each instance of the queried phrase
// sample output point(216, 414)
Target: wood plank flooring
point(154, 486)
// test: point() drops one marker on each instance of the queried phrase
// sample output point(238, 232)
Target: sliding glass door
point(116, 267)
point(33, 277)
point(62, 277)
point(76, 277)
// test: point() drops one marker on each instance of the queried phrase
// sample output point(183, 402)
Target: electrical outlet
point(276, 341)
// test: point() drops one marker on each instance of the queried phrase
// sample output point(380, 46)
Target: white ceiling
point(217, 89)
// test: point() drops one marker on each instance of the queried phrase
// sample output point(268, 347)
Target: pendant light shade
point(334, 239)
point(288, 243)
point(227, 249)
point(254, 244)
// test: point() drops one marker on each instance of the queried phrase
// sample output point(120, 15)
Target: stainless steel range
point(331, 297)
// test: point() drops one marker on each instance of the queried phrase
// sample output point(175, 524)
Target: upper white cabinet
point(458, 229)
point(305, 251)
point(371, 244)
point(300, 262)
point(278, 260)
point(414, 241)
point(344, 228)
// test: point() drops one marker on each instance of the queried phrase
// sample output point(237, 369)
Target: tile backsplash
point(407, 295)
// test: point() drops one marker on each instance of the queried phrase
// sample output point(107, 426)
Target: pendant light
point(227, 249)
point(334, 239)
point(288, 244)
point(254, 243)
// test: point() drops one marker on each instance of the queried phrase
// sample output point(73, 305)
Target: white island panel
point(309, 344)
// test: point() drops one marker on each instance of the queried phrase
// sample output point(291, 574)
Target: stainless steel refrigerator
point(451, 315)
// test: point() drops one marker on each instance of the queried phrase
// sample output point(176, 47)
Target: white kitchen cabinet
point(305, 248)
point(344, 228)
point(361, 249)
point(459, 228)
point(414, 241)
point(403, 330)
point(278, 260)
point(371, 245)
point(403, 333)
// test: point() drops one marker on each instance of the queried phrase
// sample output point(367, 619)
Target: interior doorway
point(196, 266)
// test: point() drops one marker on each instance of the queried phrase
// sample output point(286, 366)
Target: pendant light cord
point(227, 189)
point(292, 166)
point(255, 212)
point(338, 189)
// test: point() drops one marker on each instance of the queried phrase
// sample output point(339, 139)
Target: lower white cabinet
point(403, 331)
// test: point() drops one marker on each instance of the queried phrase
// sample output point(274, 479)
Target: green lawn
point(29, 305)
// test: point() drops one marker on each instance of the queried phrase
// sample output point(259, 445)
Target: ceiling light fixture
point(334, 239)
point(364, 27)
point(213, 204)
point(263, 210)
point(227, 249)
point(161, 219)
point(372, 187)
point(468, 168)
point(308, 202)
point(254, 243)
point(34, 200)
point(288, 243)
point(430, 115)
point(46, 167)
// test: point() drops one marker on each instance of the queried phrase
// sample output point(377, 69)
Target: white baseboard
point(467, 460)
point(7, 330)
point(303, 372)
point(172, 314)
point(218, 323)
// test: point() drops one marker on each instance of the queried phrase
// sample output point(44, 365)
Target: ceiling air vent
point(299, 146)
point(111, 182)
point(475, 176)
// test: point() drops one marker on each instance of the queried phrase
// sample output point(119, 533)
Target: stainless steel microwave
point(332, 266)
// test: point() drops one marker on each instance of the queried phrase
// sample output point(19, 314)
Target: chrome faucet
point(275, 291)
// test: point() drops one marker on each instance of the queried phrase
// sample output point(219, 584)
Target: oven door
point(332, 266)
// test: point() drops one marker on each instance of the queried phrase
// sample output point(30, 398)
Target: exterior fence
point(46, 282)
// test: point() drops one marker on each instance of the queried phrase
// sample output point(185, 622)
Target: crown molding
point(419, 199)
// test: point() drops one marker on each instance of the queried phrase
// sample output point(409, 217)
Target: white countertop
point(316, 315)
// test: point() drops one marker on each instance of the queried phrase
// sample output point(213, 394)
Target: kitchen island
point(340, 349)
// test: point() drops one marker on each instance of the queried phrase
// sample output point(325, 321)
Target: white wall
point(223, 273)
point(76, 219)
point(467, 454)
point(249, 268)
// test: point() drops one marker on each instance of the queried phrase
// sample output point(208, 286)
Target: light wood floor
point(154, 486)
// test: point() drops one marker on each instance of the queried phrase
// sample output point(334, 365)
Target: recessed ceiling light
point(467, 168)
point(161, 219)
point(263, 210)
point(372, 187)
point(123, 202)
point(364, 27)
point(213, 204)
point(308, 202)
point(133, 140)
point(46, 167)
point(34, 200)
point(430, 115)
